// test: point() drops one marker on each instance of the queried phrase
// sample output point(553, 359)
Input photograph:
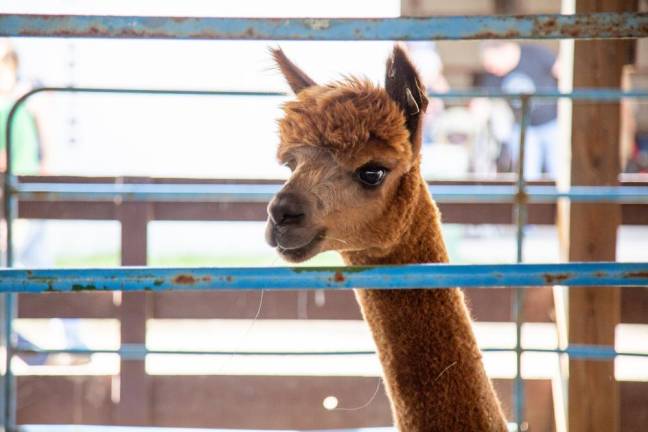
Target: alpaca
point(356, 188)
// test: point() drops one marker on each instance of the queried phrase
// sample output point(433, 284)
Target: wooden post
point(594, 313)
point(134, 406)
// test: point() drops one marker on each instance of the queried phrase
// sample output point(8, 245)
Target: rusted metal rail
point(427, 276)
point(607, 25)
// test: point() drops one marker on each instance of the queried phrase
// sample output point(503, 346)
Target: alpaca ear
point(405, 87)
point(297, 79)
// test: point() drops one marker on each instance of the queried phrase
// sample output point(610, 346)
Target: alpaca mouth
point(304, 252)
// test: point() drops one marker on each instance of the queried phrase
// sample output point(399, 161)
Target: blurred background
point(129, 137)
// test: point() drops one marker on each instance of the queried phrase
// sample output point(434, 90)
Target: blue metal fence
point(602, 25)
point(586, 26)
point(313, 278)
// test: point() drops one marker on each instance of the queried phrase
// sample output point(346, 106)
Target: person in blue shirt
point(514, 68)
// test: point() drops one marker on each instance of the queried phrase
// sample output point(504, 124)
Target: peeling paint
point(341, 270)
point(81, 287)
point(317, 23)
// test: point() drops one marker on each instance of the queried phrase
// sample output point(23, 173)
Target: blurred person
point(430, 67)
point(445, 153)
point(26, 149)
point(26, 159)
point(514, 68)
point(496, 121)
point(634, 125)
point(26, 155)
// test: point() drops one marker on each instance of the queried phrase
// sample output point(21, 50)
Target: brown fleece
point(353, 119)
point(432, 365)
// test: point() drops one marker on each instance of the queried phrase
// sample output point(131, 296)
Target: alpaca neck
point(432, 365)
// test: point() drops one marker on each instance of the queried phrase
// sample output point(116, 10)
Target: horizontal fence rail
point(101, 428)
point(584, 94)
point(140, 351)
point(265, 192)
point(314, 278)
point(605, 25)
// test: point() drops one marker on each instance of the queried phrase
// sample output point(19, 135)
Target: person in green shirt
point(25, 147)
point(26, 157)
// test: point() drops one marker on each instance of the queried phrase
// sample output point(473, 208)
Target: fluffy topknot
point(346, 117)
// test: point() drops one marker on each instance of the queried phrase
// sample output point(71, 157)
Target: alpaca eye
point(290, 164)
point(371, 175)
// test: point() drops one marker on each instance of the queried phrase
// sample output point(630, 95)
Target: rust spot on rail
point(338, 277)
point(488, 34)
point(82, 287)
point(638, 274)
point(555, 279)
point(99, 31)
point(185, 279)
point(584, 26)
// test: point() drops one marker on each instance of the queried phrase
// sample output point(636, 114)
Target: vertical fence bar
point(3, 345)
point(10, 208)
point(6, 330)
point(8, 193)
point(520, 209)
point(10, 381)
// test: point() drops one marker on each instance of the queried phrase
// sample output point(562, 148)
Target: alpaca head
point(353, 149)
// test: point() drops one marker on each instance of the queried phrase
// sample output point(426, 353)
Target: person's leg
point(533, 154)
point(548, 135)
point(512, 145)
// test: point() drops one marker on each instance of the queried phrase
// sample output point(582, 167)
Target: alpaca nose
point(287, 209)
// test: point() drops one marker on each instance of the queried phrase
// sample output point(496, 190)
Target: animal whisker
point(245, 333)
point(335, 239)
point(366, 404)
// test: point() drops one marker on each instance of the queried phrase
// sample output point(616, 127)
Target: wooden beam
point(485, 305)
point(594, 314)
point(472, 213)
point(135, 402)
point(457, 213)
point(199, 401)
